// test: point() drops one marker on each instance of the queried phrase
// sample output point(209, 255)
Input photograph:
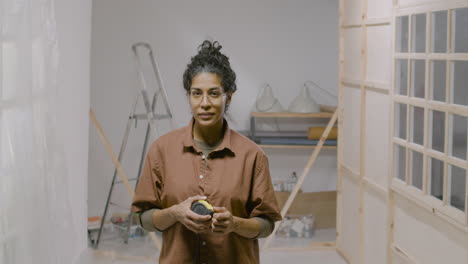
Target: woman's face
point(208, 99)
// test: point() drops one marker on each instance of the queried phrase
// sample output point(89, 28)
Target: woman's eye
point(215, 94)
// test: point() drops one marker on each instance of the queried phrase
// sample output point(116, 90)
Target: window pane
point(400, 162)
point(438, 78)
point(402, 26)
point(418, 41)
point(417, 122)
point(401, 77)
point(418, 73)
point(400, 120)
point(436, 180)
point(457, 184)
point(438, 130)
point(439, 32)
point(416, 169)
point(460, 83)
point(460, 30)
point(458, 136)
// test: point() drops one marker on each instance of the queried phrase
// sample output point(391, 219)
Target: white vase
point(266, 101)
point(304, 103)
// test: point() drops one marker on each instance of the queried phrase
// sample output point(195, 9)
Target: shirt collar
point(225, 144)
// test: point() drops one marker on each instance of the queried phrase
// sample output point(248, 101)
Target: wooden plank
point(368, 182)
point(296, 146)
point(344, 255)
point(107, 145)
point(327, 108)
point(292, 115)
point(362, 139)
point(350, 173)
point(322, 205)
point(301, 179)
point(433, 56)
point(339, 207)
point(432, 153)
point(390, 198)
point(375, 86)
point(428, 6)
point(427, 81)
point(430, 204)
point(381, 21)
point(402, 254)
point(114, 255)
point(351, 26)
point(118, 166)
point(331, 245)
point(390, 225)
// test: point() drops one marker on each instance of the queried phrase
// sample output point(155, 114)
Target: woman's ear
point(228, 98)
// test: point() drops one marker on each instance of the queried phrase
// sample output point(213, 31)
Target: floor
point(140, 250)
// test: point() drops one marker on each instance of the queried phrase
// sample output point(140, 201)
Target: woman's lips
point(205, 116)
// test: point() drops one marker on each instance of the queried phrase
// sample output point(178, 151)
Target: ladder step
point(118, 205)
point(133, 179)
point(156, 116)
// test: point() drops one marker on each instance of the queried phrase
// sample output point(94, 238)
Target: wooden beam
point(116, 256)
point(304, 174)
point(292, 115)
point(118, 166)
point(346, 257)
point(363, 127)
point(296, 146)
point(450, 215)
point(339, 184)
point(390, 197)
point(114, 159)
point(402, 254)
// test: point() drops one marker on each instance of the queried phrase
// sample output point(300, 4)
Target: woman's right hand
point(193, 221)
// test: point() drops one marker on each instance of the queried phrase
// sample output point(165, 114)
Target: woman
point(207, 161)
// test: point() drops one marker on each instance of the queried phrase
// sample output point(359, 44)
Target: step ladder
point(150, 116)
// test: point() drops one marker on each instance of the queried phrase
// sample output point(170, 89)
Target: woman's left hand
point(222, 222)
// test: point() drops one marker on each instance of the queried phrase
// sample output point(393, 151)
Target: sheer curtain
point(34, 209)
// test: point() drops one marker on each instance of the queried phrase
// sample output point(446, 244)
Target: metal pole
point(140, 168)
point(121, 153)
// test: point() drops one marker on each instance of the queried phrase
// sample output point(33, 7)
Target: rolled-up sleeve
point(148, 191)
point(262, 202)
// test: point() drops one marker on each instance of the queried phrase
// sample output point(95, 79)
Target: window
point(430, 124)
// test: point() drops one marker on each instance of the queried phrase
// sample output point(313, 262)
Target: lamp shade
point(304, 103)
point(266, 101)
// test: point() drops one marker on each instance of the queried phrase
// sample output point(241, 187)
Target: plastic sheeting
point(35, 218)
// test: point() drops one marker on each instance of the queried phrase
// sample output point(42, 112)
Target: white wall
point(73, 18)
point(282, 43)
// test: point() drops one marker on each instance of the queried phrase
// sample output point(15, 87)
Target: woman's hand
point(193, 221)
point(222, 222)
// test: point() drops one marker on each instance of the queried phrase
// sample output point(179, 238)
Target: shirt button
point(203, 243)
point(203, 157)
point(201, 176)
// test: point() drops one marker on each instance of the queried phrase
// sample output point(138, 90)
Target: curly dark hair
point(210, 59)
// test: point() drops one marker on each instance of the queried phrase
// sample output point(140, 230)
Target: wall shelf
point(286, 141)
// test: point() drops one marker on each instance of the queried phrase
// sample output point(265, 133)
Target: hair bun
point(208, 47)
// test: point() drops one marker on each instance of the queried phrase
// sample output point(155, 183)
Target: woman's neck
point(209, 135)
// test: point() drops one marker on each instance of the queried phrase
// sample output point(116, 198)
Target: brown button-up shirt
point(235, 175)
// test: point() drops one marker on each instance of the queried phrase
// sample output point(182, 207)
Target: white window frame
point(423, 197)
